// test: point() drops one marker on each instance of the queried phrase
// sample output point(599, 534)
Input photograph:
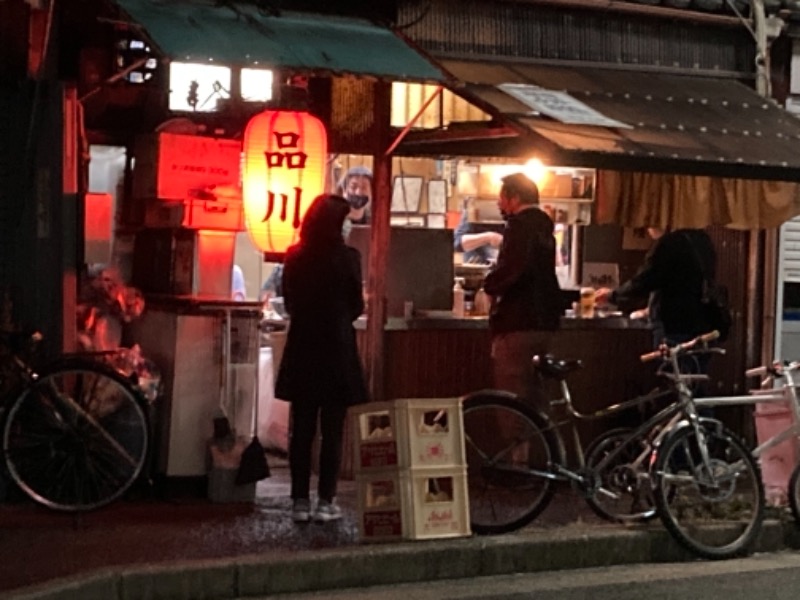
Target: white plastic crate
point(413, 504)
point(440, 503)
point(409, 433)
point(380, 505)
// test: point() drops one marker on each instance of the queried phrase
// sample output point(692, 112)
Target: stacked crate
point(410, 469)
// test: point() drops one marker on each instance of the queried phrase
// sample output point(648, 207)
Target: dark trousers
point(512, 366)
point(304, 415)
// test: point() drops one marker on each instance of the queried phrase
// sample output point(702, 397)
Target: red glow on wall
point(283, 171)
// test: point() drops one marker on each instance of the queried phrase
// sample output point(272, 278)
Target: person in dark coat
point(526, 296)
point(320, 373)
point(671, 279)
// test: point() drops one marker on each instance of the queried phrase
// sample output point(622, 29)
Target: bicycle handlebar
point(664, 351)
point(758, 371)
point(776, 369)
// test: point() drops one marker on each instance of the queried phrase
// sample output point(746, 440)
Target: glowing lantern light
point(284, 170)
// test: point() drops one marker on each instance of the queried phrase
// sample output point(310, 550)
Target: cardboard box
point(193, 213)
point(168, 165)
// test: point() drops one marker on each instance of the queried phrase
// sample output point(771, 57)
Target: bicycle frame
point(663, 422)
point(787, 392)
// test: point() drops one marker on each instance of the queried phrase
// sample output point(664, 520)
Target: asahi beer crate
point(408, 433)
point(439, 504)
point(413, 504)
point(375, 435)
point(380, 505)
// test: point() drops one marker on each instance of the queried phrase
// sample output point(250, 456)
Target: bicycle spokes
point(709, 492)
point(508, 461)
point(77, 439)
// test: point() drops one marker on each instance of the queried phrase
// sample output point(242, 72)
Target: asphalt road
point(774, 576)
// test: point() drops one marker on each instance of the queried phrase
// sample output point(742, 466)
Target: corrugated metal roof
point(606, 33)
point(240, 34)
point(679, 124)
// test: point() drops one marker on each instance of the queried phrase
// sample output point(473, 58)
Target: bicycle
point(75, 436)
point(626, 475)
point(767, 392)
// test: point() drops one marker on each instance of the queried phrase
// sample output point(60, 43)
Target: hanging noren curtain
point(634, 199)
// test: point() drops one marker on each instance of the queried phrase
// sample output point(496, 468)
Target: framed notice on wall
point(406, 193)
point(437, 196)
point(437, 221)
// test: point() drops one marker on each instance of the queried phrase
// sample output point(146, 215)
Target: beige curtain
point(668, 200)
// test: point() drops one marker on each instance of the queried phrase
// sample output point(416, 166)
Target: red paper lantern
point(284, 170)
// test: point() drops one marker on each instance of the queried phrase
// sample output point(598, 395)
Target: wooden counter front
point(445, 357)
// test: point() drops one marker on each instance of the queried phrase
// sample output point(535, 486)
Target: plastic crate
point(413, 504)
point(381, 506)
point(408, 433)
point(439, 500)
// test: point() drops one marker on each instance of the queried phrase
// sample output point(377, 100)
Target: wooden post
point(379, 244)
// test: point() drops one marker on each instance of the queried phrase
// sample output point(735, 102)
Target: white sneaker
point(301, 510)
point(327, 511)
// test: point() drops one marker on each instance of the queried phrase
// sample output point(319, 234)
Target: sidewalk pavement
point(193, 549)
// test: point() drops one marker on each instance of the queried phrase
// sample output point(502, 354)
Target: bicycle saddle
point(549, 366)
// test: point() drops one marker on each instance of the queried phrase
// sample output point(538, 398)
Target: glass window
point(197, 87)
point(256, 85)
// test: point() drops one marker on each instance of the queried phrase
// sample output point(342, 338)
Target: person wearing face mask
point(356, 187)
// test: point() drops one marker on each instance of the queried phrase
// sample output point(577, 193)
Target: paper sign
point(559, 105)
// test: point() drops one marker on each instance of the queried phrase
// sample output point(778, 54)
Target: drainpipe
point(763, 84)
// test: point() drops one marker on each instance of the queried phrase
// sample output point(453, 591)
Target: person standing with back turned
point(526, 297)
point(320, 373)
point(672, 279)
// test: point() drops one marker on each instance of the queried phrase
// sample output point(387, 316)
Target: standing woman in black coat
point(320, 372)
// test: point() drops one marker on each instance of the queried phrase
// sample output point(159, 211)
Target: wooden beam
point(379, 244)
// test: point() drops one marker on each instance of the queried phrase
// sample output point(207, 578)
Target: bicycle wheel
point(625, 494)
point(509, 450)
point(715, 509)
point(794, 493)
point(76, 439)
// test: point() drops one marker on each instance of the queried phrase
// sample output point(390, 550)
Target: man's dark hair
point(520, 185)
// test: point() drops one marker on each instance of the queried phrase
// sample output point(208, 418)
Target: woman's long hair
point(323, 222)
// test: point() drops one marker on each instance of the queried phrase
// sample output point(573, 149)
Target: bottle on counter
point(458, 297)
point(482, 302)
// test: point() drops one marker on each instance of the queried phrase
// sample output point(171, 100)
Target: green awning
point(235, 34)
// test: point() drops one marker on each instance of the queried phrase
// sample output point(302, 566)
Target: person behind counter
point(356, 188)
point(320, 372)
point(478, 247)
point(671, 279)
point(238, 288)
point(526, 297)
point(272, 287)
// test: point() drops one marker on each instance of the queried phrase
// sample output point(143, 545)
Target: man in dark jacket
point(526, 299)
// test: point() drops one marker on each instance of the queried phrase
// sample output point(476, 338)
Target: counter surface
point(449, 322)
